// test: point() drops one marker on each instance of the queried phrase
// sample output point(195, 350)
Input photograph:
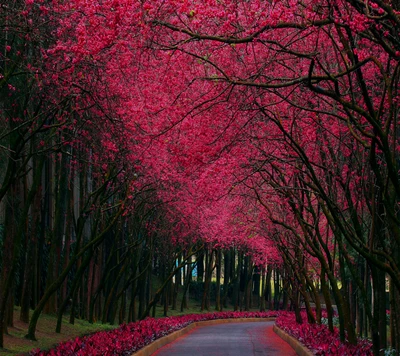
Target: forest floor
point(16, 344)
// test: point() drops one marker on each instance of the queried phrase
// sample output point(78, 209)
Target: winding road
point(233, 339)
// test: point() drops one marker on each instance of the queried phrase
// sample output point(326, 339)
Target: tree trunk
point(227, 277)
point(236, 282)
point(257, 285)
point(158, 293)
point(30, 262)
point(263, 282)
point(218, 262)
point(394, 316)
point(200, 266)
point(205, 302)
point(277, 295)
point(327, 298)
point(92, 245)
point(184, 303)
point(11, 248)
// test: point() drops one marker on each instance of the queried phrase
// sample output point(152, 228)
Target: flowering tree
point(267, 127)
point(333, 63)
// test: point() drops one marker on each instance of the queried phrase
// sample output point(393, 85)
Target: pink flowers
point(319, 339)
point(129, 338)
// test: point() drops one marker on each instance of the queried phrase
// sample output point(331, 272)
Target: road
point(233, 339)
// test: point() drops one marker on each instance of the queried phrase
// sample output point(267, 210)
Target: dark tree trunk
point(327, 298)
point(227, 277)
point(256, 285)
point(237, 282)
point(394, 317)
point(30, 262)
point(205, 302)
point(218, 263)
point(200, 266)
point(184, 303)
point(277, 295)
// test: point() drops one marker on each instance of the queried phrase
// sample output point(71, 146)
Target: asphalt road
point(230, 339)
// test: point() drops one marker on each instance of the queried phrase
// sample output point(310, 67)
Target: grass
point(16, 344)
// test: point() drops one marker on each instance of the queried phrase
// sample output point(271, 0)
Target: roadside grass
point(16, 344)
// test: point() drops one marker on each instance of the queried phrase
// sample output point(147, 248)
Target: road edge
point(296, 345)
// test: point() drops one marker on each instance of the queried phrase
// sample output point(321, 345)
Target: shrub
point(319, 339)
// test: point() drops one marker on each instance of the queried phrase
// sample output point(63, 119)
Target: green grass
point(16, 344)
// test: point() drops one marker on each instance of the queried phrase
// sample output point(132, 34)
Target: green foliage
point(47, 336)
point(390, 352)
point(335, 321)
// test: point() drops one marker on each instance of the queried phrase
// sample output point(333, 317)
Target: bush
point(319, 339)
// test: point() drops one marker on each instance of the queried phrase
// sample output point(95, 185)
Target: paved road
point(231, 339)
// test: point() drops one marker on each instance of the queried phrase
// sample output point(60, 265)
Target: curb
point(297, 346)
point(154, 346)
